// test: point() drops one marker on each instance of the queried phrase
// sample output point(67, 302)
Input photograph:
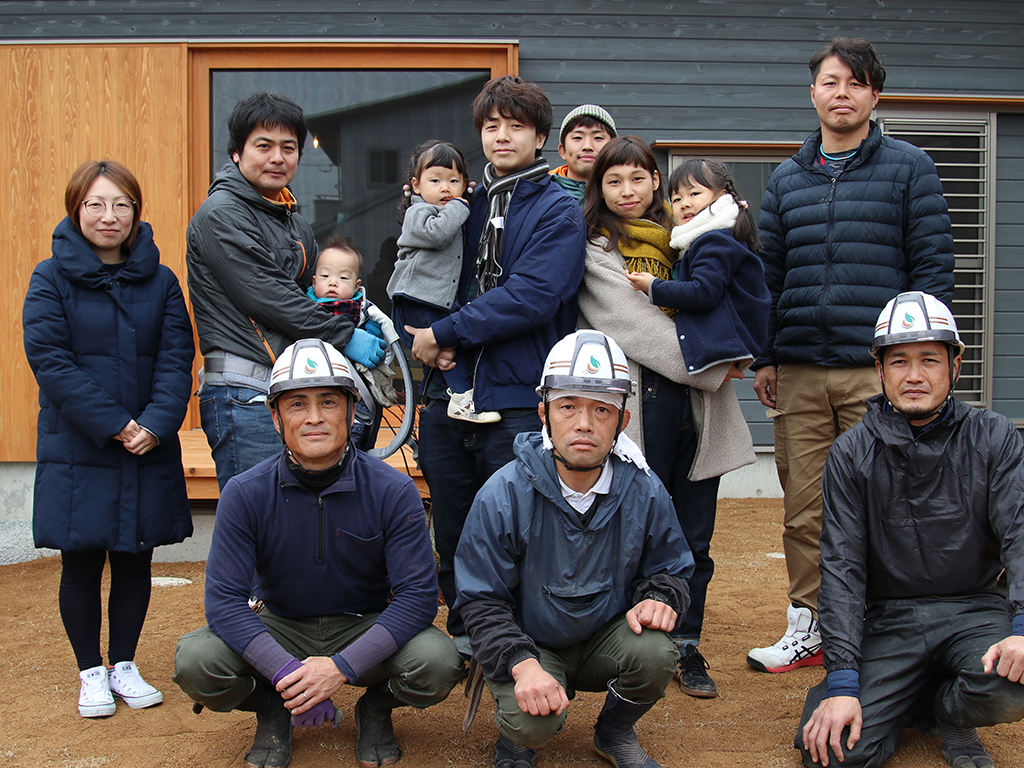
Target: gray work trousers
point(420, 673)
point(922, 664)
point(641, 667)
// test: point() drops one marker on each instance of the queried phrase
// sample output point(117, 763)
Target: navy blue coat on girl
point(106, 349)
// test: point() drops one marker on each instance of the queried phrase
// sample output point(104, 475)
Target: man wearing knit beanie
point(584, 131)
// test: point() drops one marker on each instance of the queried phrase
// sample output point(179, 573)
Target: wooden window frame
point(499, 58)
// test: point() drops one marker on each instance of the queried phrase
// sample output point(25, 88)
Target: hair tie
point(742, 204)
point(407, 192)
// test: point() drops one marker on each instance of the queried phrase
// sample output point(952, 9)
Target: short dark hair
point(623, 150)
point(716, 176)
point(858, 54)
point(82, 179)
point(269, 110)
point(342, 243)
point(431, 153)
point(517, 99)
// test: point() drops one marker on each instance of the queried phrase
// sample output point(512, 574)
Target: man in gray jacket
point(922, 559)
point(250, 258)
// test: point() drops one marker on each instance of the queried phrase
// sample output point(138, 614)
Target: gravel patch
point(16, 543)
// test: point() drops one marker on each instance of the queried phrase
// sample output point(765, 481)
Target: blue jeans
point(457, 457)
point(408, 312)
point(670, 445)
point(238, 428)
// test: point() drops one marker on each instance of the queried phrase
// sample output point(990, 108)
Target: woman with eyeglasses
point(110, 342)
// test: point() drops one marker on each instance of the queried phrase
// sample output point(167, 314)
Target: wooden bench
point(201, 474)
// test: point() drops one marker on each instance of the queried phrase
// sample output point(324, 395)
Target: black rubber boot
point(375, 744)
point(508, 754)
point(962, 748)
point(272, 746)
point(614, 737)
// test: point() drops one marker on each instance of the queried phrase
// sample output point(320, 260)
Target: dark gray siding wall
point(714, 70)
point(1008, 363)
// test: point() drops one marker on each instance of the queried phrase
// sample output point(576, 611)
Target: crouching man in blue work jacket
point(571, 570)
point(922, 559)
point(344, 567)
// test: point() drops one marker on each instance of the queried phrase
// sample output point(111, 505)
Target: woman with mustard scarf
point(689, 426)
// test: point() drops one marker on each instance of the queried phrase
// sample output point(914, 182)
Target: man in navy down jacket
point(572, 568)
point(922, 560)
point(848, 222)
point(345, 578)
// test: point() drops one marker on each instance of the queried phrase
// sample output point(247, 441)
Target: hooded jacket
point(906, 517)
point(106, 349)
point(529, 573)
point(835, 250)
point(250, 262)
point(515, 324)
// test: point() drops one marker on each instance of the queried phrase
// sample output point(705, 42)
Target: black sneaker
point(693, 677)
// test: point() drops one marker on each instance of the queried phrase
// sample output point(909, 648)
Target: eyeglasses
point(121, 208)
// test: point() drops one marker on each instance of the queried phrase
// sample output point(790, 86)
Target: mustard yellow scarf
point(646, 249)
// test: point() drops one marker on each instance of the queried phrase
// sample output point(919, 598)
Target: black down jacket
point(836, 250)
point(940, 514)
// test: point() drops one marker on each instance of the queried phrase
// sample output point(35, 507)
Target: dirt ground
point(751, 723)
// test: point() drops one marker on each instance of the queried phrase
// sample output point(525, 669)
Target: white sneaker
point(94, 699)
point(127, 684)
point(460, 406)
point(799, 647)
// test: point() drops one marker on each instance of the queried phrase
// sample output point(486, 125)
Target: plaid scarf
point(349, 308)
point(499, 193)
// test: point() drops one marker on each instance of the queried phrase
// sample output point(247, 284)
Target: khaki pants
point(816, 405)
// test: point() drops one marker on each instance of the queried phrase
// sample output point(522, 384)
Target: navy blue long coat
point(107, 349)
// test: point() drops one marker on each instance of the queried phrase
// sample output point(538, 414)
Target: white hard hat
point(311, 363)
point(586, 361)
point(915, 316)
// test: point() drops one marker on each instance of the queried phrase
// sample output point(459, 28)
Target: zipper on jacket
point(319, 529)
point(828, 267)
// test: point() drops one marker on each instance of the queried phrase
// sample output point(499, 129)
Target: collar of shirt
point(582, 502)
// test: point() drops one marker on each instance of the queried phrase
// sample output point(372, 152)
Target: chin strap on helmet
point(913, 317)
point(587, 364)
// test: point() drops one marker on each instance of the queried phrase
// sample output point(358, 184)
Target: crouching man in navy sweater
point(341, 552)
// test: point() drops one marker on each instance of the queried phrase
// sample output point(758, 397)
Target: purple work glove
point(319, 714)
point(289, 667)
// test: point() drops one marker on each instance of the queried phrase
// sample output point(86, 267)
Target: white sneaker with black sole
point(95, 699)
point(799, 647)
point(127, 684)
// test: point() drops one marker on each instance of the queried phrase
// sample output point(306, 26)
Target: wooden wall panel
point(65, 104)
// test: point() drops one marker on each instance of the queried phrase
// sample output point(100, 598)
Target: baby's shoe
point(460, 406)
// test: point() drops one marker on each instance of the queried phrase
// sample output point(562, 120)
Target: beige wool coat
point(608, 303)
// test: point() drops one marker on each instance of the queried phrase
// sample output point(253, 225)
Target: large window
point(961, 147)
point(363, 125)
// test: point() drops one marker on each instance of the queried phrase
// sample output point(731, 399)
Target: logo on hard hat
point(310, 366)
point(594, 365)
point(908, 320)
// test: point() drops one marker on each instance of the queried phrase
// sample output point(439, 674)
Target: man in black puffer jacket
point(922, 560)
point(853, 219)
